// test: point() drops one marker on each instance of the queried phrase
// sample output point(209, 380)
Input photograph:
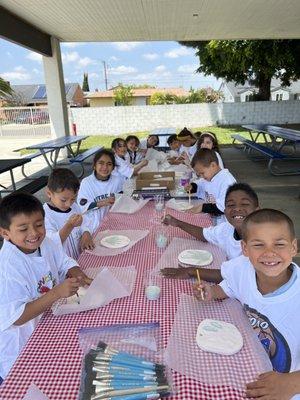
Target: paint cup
point(152, 292)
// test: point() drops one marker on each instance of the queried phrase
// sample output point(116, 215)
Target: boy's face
point(103, 167)
point(188, 142)
point(238, 205)
point(26, 231)
point(175, 145)
point(62, 200)
point(270, 247)
point(206, 173)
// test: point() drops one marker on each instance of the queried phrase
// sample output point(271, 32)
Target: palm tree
point(5, 88)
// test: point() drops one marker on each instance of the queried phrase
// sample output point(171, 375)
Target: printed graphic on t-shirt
point(273, 341)
point(209, 198)
point(46, 283)
point(104, 196)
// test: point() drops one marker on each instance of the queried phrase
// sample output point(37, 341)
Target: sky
point(162, 64)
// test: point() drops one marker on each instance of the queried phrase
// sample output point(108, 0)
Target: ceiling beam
point(20, 32)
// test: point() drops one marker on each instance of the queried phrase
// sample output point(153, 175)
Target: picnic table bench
point(80, 158)
point(271, 148)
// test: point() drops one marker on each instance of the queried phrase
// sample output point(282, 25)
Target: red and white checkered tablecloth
point(52, 357)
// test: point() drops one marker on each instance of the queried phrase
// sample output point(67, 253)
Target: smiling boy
point(240, 201)
point(267, 283)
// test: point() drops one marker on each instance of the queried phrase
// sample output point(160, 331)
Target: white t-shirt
point(190, 151)
point(222, 235)
point(56, 219)
point(143, 144)
point(214, 191)
point(221, 164)
point(134, 157)
point(123, 167)
point(275, 318)
point(173, 153)
point(92, 190)
point(24, 278)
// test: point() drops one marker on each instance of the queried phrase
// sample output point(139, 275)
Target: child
point(97, 191)
point(173, 155)
point(213, 185)
point(267, 283)
point(208, 140)
point(240, 201)
point(188, 142)
point(63, 216)
point(32, 274)
point(149, 143)
point(123, 167)
point(134, 156)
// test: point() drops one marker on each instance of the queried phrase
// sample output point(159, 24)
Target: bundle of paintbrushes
point(110, 374)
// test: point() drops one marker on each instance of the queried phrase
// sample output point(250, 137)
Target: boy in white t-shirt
point(240, 201)
point(267, 283)
point(173, 155)
point(188, 143)
point(63, 216)
point(213, 185)
point(32, 274)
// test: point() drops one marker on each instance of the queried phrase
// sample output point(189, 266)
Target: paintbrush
point(189, 193)
point(199, 282)
point(78, 298)
point(104, 393)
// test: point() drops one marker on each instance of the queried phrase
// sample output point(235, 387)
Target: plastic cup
point(152, 292)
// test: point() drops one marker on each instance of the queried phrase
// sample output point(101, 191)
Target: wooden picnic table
point(56, 145)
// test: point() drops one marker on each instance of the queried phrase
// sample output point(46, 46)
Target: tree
point(162, 98)
point(123, 95)
point(85, 83)
point(256, 61)
point(5, 88)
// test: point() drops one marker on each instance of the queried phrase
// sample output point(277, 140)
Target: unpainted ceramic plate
point(115, 241)
point(195, 257)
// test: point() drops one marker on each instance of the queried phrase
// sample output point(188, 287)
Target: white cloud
point(36, 71)
point(73, 44)
point(93, 75)
point(70, 57)
point(126, 46)
point(188, 68)
point(178, 52)
point(8, 54)
point(160, 68)
point(156, 74)
point(150, 56)
point(33, 56)
point(83, 62)
point(122, 70)
point(18, 74)
point(113, 58)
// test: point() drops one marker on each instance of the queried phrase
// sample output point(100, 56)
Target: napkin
point(104, 288)
point(126, 205)
point(150, 167)
point(158, 156)
point(34, 393)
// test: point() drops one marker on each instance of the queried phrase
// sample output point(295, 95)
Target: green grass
point(222, 132)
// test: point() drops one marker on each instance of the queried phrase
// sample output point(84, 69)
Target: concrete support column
point(56, 96)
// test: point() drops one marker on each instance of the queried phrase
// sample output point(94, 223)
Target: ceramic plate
point(195, 257)
point(115, 241)
point(183, 205)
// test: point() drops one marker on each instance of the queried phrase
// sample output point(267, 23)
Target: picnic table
point(163, 134)
point(275, 140)
point(52, 357)
point(9, 165)
point(55, 146)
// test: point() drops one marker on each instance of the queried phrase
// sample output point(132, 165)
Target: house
point(141, 97)
point(35, 95)
point(236, 93)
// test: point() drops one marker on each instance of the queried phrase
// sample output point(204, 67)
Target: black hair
point(243, 187)
point(18, 203)
point(104, 152)
point(115, 143)
point(61, 179)
point(204, 157)
point(266, 215)
point(171, 139)
point(132, 137)
point(157, 139)
point(185, 132)
point(211, 136)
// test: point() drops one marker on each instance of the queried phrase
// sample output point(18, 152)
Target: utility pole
point(105, 75)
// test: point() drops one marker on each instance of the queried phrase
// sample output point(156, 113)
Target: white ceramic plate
point(195, 257)
point(183, 205)
point(115, 241)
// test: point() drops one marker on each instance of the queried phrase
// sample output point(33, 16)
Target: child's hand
point(75, 220)
point(76, 272)
point(196, 209)
point(177, 273)
point(188, 187)
point(203, 291)
point(144, 163)
point(169, 220)
point(67, 288)
point(86, 241)
point(273, 386)
point(109, 201)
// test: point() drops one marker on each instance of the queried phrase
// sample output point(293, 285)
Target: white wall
point(117, 120)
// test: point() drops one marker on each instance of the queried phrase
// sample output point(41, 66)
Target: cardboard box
point(155, 180)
